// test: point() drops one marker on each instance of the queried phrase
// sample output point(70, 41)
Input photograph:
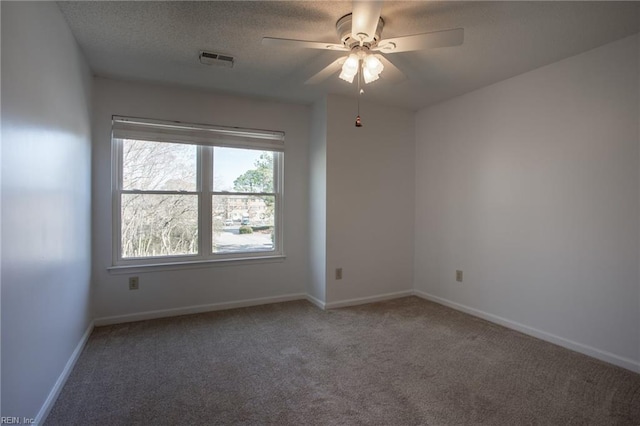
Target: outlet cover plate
point(134, 283)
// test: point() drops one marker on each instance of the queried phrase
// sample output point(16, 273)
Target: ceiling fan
point(360, 34)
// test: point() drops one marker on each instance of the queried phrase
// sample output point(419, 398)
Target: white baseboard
point(605, 356)
point(319, 303)
point(186, 310)
point(62, 379)
point(368, 299)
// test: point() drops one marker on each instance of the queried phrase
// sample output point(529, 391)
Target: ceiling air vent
point(218, 59)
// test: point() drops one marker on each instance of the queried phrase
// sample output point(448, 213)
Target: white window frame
point(206, 138)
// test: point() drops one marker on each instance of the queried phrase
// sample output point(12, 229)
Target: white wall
point(161, 290)
point(45, 202)
point(531, 187)
point(316, 286)
point(370, 200)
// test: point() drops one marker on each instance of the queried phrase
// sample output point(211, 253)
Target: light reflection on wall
point(46, 197)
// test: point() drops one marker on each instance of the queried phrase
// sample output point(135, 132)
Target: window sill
point(195, 264)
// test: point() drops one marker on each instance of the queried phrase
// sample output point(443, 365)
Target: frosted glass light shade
point(371, 68)
point(350, 68)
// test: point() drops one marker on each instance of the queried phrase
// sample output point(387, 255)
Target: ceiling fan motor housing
point(343, 27)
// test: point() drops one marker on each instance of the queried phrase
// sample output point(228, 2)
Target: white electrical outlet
point(459, 275)
point(134, 283)
point(338, 273)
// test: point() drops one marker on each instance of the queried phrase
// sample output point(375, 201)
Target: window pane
point(242, 170)
point(158, 166)
point(243, 223)
point(159, 225)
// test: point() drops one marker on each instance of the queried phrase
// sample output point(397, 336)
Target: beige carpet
point(401, 362)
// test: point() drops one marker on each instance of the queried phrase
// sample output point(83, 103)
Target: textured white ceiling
point(160, 41)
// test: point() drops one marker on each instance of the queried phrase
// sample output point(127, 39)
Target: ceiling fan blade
point(390, 72)
point(285, 42)
point(431, 40)
point(364, 19)
point(326, 72)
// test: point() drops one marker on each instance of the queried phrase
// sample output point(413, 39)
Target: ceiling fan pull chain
point(360, 91)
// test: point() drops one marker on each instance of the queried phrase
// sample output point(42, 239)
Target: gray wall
point(361, 202)
point(46, 198)
point(531, 187)
point(370, 200)
point(316, 286)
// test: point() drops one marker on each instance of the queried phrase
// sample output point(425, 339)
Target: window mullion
point(278, 187)
point(116, 200)
point(156, 192)
point(243, 194)
point(205, 211)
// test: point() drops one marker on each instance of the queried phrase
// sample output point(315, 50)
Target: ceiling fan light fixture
point(371, 69)
point(347, 76)
point(350, 68)
point(368, 76)
point(373, 64)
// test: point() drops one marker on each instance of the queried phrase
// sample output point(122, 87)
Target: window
point(190, 193)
